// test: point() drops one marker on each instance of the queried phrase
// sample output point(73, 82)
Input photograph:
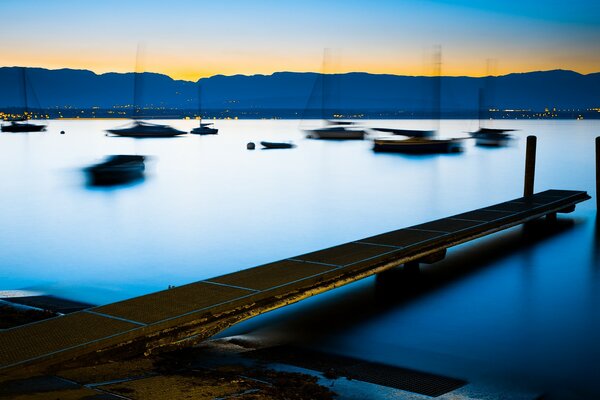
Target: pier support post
point(597, 173)
point(412, 267)
point(530, 165)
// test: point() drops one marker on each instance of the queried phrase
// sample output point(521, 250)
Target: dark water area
point(518, 309)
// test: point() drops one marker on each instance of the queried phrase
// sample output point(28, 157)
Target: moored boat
point(277, 145)
point(141, 129)
point(205, 129)
point(407, 132)
point(492, 137)
point(336, 132)
point(415, 145)
point(21, 124)
point(117, 169)
point(16, 126)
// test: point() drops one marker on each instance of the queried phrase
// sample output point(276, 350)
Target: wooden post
point(597, 173)
point(530, 165)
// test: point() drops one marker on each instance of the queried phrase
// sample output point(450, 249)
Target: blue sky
point(190, 39)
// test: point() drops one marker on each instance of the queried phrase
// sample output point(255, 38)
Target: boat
point(203, 128)
point(420, 141)
point(140, 129)
point(492, 137)
point(21, 124)
point(117, 169)
point(489, 137)
point(277, 145)
point(332, 129)
point(336, 132)
point(407, 132)
point(415, 145)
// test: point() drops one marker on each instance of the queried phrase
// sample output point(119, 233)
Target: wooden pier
point(187, 314)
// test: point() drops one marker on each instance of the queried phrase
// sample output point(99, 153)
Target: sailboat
point(333, 129)
point(141, 129)
point(490, 137)
point(421, 141)
point(21, 124)
point(203, 128)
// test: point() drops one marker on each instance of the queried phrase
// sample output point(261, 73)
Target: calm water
point(512, 315)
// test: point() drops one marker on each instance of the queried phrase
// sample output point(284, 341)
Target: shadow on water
point(397, 288)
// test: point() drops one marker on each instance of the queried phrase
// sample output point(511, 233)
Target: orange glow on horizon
point(191, 69)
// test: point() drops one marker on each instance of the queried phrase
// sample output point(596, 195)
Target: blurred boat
point(414, 145)
point(331, 129)
point(139, 129)
point(204, 129)
point(117, 169)
point(407, 132)
point(337, 130)
point(492, 137)
point(21, 124)
point(277, 145)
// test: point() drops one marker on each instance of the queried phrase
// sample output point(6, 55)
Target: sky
point(190, 39)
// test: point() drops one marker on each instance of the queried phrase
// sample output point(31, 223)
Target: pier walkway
point(187, 314)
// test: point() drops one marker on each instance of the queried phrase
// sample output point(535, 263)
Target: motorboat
point(117, 169)
point(140, 129)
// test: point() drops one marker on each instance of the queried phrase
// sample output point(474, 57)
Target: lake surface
point(500, 312)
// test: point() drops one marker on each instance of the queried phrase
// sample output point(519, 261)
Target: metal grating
point(345, 254)
point(271, 275)
point(56, 334)
point(172, 303)
point(380, 374)
point(402, 237)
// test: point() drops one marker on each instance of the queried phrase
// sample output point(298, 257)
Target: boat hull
point(407, 132)
point(418, 147)
point(23, 128)
point(277, 145)
point(204, 131)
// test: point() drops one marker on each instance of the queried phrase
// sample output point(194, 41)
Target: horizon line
point(296, 72)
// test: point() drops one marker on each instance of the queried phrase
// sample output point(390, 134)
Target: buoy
point(250, 146)
point(62, 132)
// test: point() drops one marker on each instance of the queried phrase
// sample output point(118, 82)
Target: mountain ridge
point(81, 88)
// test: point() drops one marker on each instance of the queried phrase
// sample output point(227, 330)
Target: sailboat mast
point(199, 102)
point(437, 85)
point(137, 82)
point(481, 105)
point(23, 79)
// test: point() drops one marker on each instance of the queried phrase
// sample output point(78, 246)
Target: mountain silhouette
point(558, 89)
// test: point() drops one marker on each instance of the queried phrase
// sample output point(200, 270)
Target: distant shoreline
point(232, 114)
